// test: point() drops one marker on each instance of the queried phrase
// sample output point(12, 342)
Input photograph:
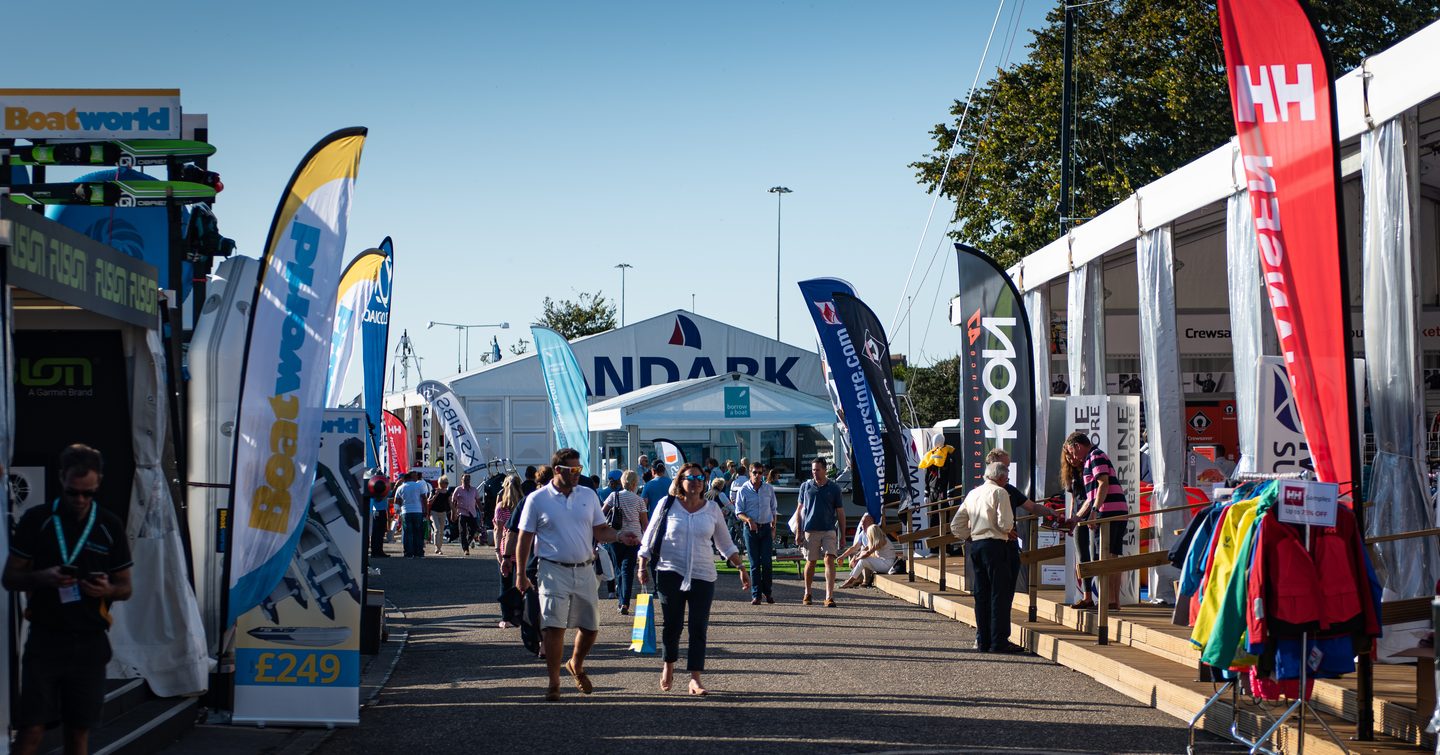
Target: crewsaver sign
point(96, 114)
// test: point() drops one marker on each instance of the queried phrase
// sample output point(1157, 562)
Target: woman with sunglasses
point(679, 540)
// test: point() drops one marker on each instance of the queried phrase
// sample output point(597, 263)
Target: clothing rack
point(1301, 706)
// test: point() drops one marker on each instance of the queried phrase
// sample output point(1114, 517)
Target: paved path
point(872, 675)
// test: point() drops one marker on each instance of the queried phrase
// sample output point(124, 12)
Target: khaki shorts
point(819, 544)
point(569, 597)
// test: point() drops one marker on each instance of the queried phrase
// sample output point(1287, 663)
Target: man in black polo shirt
point(73, 559)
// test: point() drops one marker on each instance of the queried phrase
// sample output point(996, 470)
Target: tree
point(1150, 96)
point(935, 391)
point(588, 314)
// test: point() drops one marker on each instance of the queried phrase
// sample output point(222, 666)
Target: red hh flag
point(1280, 92)
point(397, 445)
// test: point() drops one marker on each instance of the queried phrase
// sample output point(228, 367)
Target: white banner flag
point(282, 393)
point(451, 413)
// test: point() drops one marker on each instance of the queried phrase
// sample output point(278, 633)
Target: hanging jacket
point(1181, 548)
point(1192, 569)
point(1228, 541)
point(1325, 590)
point(1227, 637)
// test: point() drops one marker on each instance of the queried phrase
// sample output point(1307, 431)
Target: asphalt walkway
point(872, 675)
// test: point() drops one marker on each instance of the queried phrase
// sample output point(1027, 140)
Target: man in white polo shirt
point(561, 523)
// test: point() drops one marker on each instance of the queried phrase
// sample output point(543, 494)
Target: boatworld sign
point(90, 114)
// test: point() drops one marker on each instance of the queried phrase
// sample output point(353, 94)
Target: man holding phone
point(73, 558)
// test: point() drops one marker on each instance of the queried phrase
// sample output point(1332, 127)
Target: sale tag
point(1312, 503)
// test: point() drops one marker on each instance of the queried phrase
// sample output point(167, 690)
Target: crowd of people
point(562, 540)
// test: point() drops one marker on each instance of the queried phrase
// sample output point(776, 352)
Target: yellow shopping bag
point(642, 632)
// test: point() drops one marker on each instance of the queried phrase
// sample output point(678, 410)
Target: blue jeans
point(760, 545)
point(414, 535)
point(624, 570)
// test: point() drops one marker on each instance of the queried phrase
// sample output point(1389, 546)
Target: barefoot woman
point(683, 529)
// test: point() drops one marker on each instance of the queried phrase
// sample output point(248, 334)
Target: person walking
point(1083, 463)
point(72, 559)
point(465, 500)
point(561, 522)
point(531, 481)
point(379, 513)
point(505, 542)
point(821, 511)
point(658, 487)
point(985, 519)
point(412, 497)
point(682, 540)
point(872, 553)
point(627, 541)
point(756, 506)
point(441, 512)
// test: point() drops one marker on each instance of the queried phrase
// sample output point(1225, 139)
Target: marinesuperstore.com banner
point(297, 654)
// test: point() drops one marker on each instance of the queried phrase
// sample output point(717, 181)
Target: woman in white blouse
point(684, 528)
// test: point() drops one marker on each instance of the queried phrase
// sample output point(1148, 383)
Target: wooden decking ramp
point(1152, 661)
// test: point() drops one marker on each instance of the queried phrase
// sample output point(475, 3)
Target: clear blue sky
point(521, 149)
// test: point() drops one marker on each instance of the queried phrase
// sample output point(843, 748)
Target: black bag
point(617, 516)
point(663, 511)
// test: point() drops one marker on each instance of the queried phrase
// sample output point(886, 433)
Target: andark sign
point(49, 259)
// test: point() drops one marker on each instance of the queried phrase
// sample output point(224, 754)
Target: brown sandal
point(1082, 604)
point(582, 679)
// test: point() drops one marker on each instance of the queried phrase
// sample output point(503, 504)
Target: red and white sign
point(1285, 119)
point(397, 445)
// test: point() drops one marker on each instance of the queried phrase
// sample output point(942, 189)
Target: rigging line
point(964, 194)
point(924, 338)
point(940, 186)
point(1009, 45)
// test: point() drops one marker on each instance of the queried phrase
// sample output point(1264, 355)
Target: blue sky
point(520, 150)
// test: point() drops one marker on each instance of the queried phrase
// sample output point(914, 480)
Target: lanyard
point(67, 556)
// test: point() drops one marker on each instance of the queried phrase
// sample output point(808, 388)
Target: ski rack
point(1300, 706)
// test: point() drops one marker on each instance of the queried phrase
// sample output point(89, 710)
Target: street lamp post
point(779, 192)
point(623, 267)
point(459, 328)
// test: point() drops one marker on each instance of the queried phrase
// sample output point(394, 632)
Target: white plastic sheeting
point(1085, 330)
point(157, 634)
point(1037, 311)
point(1160, 382)
point(1247, 315)
point(1397, 483)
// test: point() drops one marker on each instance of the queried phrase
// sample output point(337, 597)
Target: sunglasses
point(78, 493)
point(694, 477)
point(571, 470)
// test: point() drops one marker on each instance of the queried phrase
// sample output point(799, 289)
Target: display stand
point(1299, 708)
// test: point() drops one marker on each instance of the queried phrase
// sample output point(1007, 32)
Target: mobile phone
point(94, 575)
point(70, 570)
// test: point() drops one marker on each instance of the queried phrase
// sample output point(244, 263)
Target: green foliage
point(1150, 96)
point(588, 314)
point(935, 391)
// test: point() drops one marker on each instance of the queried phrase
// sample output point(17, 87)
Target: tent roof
point(1384, 86)
point(701, 403)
